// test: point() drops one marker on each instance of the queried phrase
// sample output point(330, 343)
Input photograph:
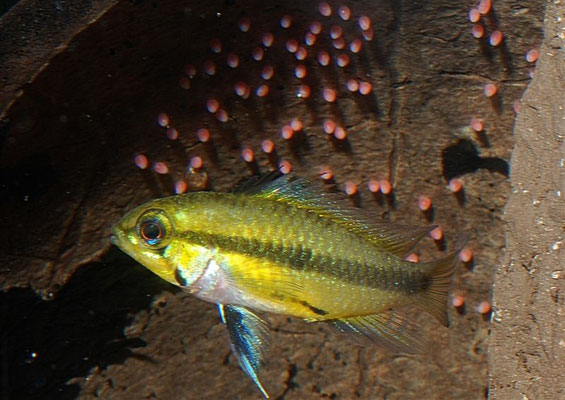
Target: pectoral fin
point(390, 329)
point(254, 276)
point(249, 337)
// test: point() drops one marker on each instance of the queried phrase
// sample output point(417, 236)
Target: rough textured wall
point(527, 346)
point(33, 31)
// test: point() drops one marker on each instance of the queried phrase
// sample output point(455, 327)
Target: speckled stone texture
point(527, 345)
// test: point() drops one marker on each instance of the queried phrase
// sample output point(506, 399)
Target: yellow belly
point(304, 294)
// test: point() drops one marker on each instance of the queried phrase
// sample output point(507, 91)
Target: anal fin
point(390, 329)
point(249, 338)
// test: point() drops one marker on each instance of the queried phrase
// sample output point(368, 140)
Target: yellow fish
point(279, 244)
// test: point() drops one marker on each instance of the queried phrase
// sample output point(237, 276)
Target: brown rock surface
point(111, 329)
point(33, 31)
point(527, 346)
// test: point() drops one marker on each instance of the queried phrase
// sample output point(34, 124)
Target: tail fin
point(434, 300)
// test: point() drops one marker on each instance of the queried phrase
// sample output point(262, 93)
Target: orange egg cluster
point(326, 42)
point(301, 53)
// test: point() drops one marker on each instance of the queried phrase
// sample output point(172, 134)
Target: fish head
point(152, 234)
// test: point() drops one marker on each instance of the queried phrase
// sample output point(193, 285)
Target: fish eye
point(152, 231)
point(154, 227)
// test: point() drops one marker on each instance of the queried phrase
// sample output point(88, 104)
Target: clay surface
point(527, 345)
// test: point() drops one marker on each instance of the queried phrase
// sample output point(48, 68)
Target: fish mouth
point(120, 239)
point(114, 240)
point(117, 235)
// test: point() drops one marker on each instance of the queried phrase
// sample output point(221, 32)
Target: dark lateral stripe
point(315, 310)
point(304, 259)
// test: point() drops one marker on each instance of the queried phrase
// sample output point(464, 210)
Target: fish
point(281, 244)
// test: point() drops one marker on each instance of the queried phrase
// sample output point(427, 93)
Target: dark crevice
point(289, 383)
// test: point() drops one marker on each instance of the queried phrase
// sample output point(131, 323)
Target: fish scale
point(358, 264)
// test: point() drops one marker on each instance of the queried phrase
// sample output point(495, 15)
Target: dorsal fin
point(257, 183)
point(301, 193)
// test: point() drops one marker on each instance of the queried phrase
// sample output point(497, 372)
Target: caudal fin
point(434, 299)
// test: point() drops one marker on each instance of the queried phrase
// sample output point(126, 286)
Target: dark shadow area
point(46, 343)
point(5, 5)
point(496, 103)
point(30, 179)
point(429, 214)
point(463, 158)
point(441, 245)
point(460, 196)
point(483, 138)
